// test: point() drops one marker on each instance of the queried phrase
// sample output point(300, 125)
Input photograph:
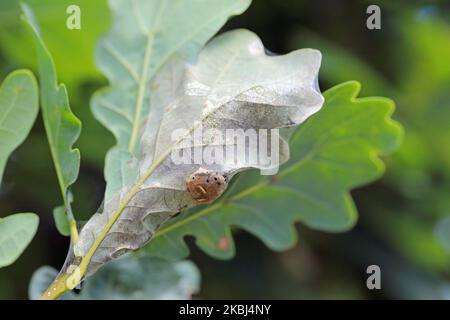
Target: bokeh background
point(404, 218)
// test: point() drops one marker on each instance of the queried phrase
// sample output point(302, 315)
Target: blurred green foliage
point(72, 50)
point(417, 184)
point(403, 223)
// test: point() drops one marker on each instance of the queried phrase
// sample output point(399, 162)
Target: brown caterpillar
point(206, 186)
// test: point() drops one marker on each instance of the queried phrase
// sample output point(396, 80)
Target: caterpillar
point(205, 186)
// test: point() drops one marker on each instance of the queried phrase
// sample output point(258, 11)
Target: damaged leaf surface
point(232, 85)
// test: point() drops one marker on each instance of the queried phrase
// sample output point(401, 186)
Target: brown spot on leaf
point(223, 244)
point(201, 187)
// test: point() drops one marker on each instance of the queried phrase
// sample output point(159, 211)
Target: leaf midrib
point(150, 34)
point(141, 93)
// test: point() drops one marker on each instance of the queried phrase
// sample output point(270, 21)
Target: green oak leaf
point(61, 125)
point(144, 36)
point(335, 151)
point(61, 221)
point(130, 277)
point(16, 232)
point(18, 111)
point(233, 85)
